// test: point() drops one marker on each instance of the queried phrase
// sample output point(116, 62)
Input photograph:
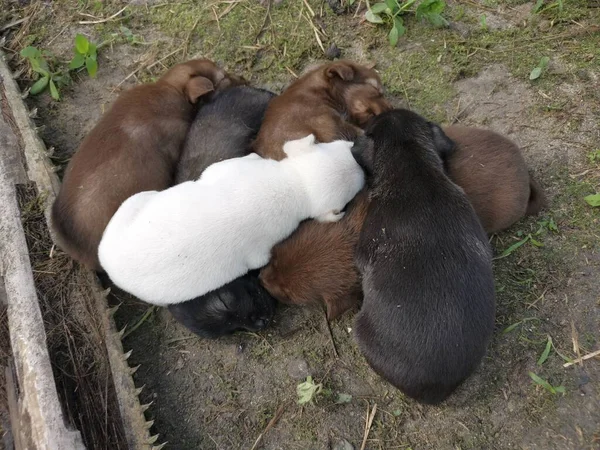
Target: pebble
point(298, 369)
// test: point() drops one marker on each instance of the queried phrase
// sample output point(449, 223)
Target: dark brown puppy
point(135, 147)
point(426, 266)
point(491, 170)
point(315, 265)
point(331, 101)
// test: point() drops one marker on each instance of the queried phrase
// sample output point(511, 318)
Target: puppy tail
point(537, 199)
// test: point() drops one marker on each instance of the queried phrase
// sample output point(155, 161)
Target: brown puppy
point(316, 264)
point(331, 101)
point(491, 170)
point(135, 147)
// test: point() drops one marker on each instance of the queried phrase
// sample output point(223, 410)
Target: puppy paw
point(331, 216)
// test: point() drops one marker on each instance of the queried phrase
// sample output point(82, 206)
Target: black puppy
point(240, 305)
point(224, 129)
point(428, 311)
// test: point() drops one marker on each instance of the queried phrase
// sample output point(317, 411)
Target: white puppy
point(171, 246)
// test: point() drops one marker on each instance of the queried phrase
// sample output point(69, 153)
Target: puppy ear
point(363, 152)
point(341, 70)
point(444, 146)
point(196, 87)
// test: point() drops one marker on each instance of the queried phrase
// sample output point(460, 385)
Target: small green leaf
point(77, 61)
point(92, 66)
point(393, 36)
point(392, 4)
point(534, 242)
point(513, 247)
point(537, 6)
point(483, 22)
point(399, 25)
point(93, 50)
point(544, 62)
point(511, 327)
point(38, 67)
point(397, 412)
point(535, 73)
point(54, 91)
point(430, 7)
point(30, 52)
point(39, 85)
point(378, 8)
point(373, 18)
point(593, 200)
point(546, 352)
point(343, 398)
point(307, 390)
point(82, 44)
point(560, 389)
point(540, 381)
point(437, 20)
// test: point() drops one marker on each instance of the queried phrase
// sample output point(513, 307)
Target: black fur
point(428, 311)
point(224, 128)
point(242, 304)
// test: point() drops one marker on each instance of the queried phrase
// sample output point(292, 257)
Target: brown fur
point(491, 170)
point(331, 101)
point(316, 264)
point(135, 147)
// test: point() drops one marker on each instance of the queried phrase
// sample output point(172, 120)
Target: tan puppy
point(316, 264)
point(135, 147)
point(331, 101)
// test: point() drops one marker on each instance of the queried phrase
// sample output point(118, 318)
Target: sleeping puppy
point(224, 128)
point(172, 246)
point(331, 101)
point(299, 273)
point(491, 170)
point(135, 147)
point(242, 304)
point(316, 264)
point(428, 309)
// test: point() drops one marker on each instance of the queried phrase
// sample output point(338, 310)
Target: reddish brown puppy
point(331, 101)
point(316, 264)
point(491, 170)
point(135, 147)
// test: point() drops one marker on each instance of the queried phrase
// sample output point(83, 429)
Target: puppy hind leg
point(331, 216)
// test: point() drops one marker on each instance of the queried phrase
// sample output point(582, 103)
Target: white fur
point(171, 246)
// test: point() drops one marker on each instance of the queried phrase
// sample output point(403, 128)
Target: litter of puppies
point(216, 199)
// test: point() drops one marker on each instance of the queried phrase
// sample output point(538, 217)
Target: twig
point(312, 13)
point(108, 19)
point(335, 352)
point(368, 423)
point(54, 38)
point(264, 24)
point(149, 311)
point(14, 23)
point(270, 425)
point(185, 338)
point(575, 339)
point(582, 358)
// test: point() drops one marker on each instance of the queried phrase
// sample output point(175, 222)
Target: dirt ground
point(222, 394)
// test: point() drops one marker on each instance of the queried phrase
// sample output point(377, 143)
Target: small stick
point(583, 358)
point(335, 352)
point(368, 424)
point(91, 22)
point(270, 425)
point(14, 23)
point(575, 339)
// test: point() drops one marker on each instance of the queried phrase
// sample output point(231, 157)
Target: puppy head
point(402, 126)
point(240, 305)
point(197, 78)
point(271, 278)
point(358, 88)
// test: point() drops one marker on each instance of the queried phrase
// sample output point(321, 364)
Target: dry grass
point(74, 335)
